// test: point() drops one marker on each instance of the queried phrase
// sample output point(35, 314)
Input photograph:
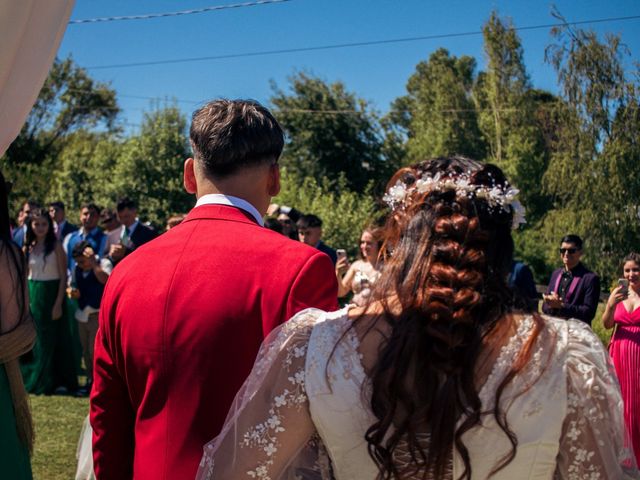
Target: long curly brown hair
point(445, 297)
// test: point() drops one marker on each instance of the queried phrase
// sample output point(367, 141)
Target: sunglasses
point(570, 251)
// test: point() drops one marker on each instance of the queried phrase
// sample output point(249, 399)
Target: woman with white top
point(47, 281)
point(363, 273)
point(439, 376)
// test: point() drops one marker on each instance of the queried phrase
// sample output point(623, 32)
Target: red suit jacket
point(181, 321)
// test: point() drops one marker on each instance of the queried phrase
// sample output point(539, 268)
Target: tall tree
point(507, 114)
point(438, 114)
point(69, 100)
point(330, 131)
point(593, 170)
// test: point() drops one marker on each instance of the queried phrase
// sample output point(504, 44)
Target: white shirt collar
point(221, 199)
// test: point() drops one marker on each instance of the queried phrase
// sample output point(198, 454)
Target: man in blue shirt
point(89, 231)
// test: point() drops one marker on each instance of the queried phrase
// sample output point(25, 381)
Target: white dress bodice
point(304, 410)
point(43, 268)
point(335, 394)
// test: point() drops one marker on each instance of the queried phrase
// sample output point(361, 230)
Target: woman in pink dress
point(623, 311)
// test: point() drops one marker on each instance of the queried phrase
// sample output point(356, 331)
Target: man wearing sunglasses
point(573, 290)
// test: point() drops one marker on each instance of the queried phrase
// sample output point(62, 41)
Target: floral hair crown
point(503, 198)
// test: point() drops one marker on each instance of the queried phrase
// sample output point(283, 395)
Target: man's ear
point(189, 173)
point(273, 184)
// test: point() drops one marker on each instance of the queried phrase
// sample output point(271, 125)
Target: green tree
point(592, 173)
point(85, 169)
point(69, 100)
point(437, 114)
point(507, 115)
point(330, 131)
point(149, 167)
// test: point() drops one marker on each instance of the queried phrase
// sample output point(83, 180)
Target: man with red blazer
point(183, 316)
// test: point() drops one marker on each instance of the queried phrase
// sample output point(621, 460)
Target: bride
point(438, 376)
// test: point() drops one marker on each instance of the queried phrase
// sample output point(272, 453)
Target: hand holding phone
point(623, 283)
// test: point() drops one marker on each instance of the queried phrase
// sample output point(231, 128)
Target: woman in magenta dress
point(623, 311)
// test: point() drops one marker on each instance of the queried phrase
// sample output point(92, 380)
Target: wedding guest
point(522, 283)
point(89, 231)
point(133, 234)
point(287, 217)
point(52, 364)
point(60, 223)
point(17, 336)
point(623, 312)
point(21, 229)
point(362, 274)
point(182, 318)
point(440, 376)
point(573, 291)
point(89, 277)
point(310, 232)
point(112, 229)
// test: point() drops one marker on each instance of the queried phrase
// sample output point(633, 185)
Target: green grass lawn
point(57, 420)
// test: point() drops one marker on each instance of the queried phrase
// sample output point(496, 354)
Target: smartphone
point(341, 253)
point(624, 283)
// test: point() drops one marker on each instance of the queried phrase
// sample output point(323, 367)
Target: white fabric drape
point(30, 33)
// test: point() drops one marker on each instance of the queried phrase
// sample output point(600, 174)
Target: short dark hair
point(57, 204)
point(309, 221)
point(78, 248)
point(227, 135)
point(571, 238)
point(126, 202)
point(90, 206)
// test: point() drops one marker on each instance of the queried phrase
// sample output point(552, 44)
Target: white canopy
point(30, 33)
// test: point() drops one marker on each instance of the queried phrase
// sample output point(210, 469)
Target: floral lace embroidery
point(589, 413)
point(264, 435)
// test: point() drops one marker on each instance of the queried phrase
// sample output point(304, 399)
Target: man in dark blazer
point(573, 290)
point(134, 234)
point(62, 226)
point(182, 317)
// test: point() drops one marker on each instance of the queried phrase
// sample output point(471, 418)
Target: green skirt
point(51, 363)
point(14, 456)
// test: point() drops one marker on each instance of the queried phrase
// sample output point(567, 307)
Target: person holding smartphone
point(623, 312)
point(362, 274)
point(574, 290)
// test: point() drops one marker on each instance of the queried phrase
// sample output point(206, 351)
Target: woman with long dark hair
point(439, 375)
point(17, 335)
point(47, 280)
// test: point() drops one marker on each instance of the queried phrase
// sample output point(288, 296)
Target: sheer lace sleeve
point(594, 443)
point(268, 433)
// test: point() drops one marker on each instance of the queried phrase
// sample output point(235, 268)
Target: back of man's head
point(229, 135)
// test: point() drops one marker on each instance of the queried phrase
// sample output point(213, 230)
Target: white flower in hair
point(396, 194)
point(427, 183)
point(495, 197)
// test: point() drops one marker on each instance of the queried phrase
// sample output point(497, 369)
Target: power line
point(347, 45)
point(176, 14)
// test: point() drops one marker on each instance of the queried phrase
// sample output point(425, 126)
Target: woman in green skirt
point(17, 336)
point(51, 365)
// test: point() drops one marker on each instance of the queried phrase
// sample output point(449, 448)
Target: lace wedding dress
point(301, 413)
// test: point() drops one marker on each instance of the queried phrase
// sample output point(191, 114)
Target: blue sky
point(377, 73)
